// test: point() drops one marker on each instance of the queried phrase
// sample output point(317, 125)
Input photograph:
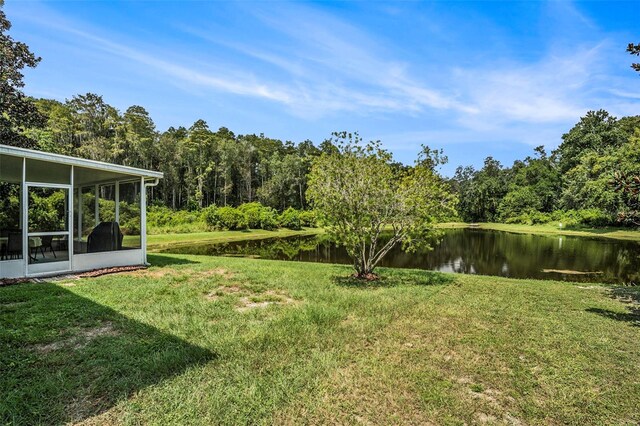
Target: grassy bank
point(211, 340)
point(161, 242)
point(551, 229)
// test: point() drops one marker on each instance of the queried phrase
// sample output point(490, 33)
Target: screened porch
point(60, 213)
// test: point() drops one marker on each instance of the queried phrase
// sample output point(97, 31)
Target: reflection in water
point(470, 251)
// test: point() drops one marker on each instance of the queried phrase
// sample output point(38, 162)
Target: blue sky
point(474, 78)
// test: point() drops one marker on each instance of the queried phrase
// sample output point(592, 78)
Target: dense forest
point(201, 166)
point(585, 179)
point(576, 182)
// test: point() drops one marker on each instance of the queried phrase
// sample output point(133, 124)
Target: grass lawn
point(160, 242)
point(206, 340)
point(582, 231)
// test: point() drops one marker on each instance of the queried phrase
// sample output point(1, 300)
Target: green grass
point(582, 231)
point(206, 340)
point(162, 242)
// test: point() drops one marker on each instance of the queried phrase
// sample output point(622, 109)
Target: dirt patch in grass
point(221, 291)
point(152, 273)
point(262, 300)
point(162, 273)
point(217, 271)
point(79, 340)
point(249, 299)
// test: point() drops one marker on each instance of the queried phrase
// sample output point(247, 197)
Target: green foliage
point(165, 220)
point(9, 206)
point(290, 218)
point(268, 219)
point(519, 201)
point(130, 218)
point(17, 111)
point(252, 212)
point(254, 215)
point(568, 218)
point(308, 218)
point(480, 192)
point(259, 216)
point(359, 192)
point(596, 133)
point(634, 49)
point(578, 177)
point(225, 218)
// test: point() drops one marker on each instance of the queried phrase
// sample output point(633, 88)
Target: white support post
point(143, 220)
point(118, 201)
point(70, 228)
point(25, 217)
point(97, 206)
point(80, 204)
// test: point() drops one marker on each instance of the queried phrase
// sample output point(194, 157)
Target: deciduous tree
point(361, 195)
point(17, 111)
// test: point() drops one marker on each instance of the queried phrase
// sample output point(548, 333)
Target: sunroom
point(65, 214)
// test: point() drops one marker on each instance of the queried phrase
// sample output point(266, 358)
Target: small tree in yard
point(361, 194)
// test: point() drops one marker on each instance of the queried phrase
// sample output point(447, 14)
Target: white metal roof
point(75, 161)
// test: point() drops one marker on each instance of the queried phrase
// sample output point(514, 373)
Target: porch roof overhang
point(79, 162)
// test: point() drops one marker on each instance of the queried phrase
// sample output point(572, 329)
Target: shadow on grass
point(628, 295)
point(633, 316)
point(65, 358)
point(395, 278)
point(162, 260)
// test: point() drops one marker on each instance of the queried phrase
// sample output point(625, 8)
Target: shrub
point(308, 218)
point(568, 218)
point(588, 217)
point(225, 218)
point(268, 218)
point(522, 202)
point(290, 218)
point(259, 216)
point(162, 219)
point(252, 213)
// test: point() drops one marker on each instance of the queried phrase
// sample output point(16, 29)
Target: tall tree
point(17, 111)
point(198, 148)
point(634, 49)
point(139, 138)
point(596, 131)
point(96, 124)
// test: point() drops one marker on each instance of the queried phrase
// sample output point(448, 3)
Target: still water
point(470, 251)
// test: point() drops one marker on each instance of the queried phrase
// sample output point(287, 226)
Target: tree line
point(582, 180)
point(201, 166)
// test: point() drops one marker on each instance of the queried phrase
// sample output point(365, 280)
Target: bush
point(252, 212)
point(588, 217)
point(259, 216)
point(568, 218)
point(308, 218)
point(290, 218)
point(162, 219)
point(268, 218)
point(521, 203)
point(225, 218)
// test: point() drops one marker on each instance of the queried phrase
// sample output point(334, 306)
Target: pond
point(469, 251)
